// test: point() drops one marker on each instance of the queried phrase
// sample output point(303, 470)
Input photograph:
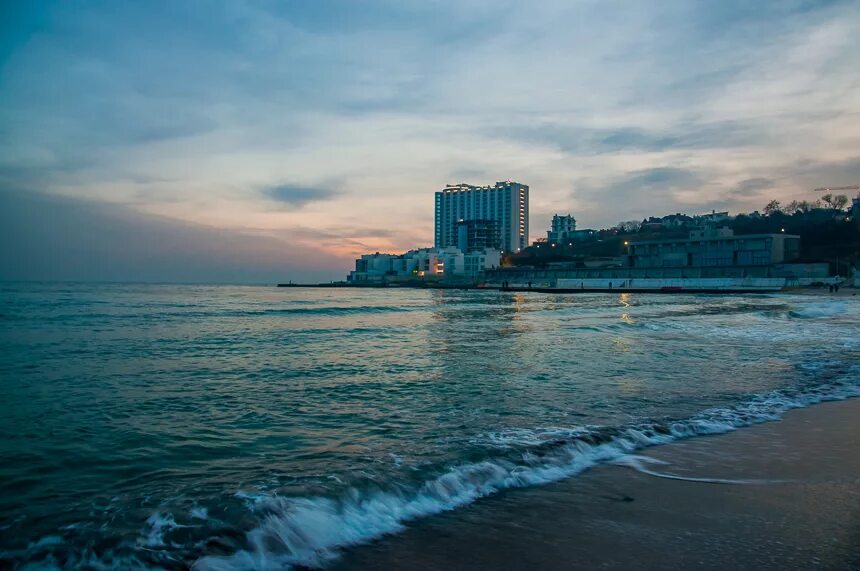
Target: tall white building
point(505, 205)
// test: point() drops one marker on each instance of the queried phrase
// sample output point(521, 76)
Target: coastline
point(844, 291)
point(795, 504)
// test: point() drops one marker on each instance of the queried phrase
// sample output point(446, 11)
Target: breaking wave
point(310, 531)
point(819, 310)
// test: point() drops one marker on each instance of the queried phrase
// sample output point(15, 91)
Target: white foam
point(157, 525)
point(522, 437)
point(637, 462)
point(310, 531)
point(199, 512)
point(820, 309)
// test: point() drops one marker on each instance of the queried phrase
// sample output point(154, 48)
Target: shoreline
point(809, 290)
point(778, 495)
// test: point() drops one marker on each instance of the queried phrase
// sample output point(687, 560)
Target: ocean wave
point(195, 312)
point(310, 531)
point(330, 310)
point(157, 525)
point(819, 310)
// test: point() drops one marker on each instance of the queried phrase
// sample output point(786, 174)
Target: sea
point(237, 427)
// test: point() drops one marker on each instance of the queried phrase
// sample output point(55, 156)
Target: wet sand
point(802, 513)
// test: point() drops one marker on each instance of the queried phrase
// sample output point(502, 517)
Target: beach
point(798, 508)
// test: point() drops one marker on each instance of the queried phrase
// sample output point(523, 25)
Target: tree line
point(830, 201)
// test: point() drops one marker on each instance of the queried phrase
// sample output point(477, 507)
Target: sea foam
point(819, 310)
point(310, 531)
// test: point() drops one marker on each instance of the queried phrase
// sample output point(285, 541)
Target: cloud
point(203, 113)
point(298, 196)
point(661, 177)
point(754, 185)
point(583, 139)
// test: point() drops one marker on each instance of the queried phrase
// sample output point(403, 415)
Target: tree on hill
point(837, 202)
point(629, 226)
point(773, 207)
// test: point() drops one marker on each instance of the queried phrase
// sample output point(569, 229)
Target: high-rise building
point(503, 207)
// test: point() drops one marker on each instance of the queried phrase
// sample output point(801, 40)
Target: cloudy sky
point(257, 141)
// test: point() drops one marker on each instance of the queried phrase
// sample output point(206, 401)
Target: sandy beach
point(794, 504)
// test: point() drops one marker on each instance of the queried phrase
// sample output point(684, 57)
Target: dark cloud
point(754, 185)
point(622, 139)
point(687, 136)
point(297, 195)
point(660, 177)
point(636, 194)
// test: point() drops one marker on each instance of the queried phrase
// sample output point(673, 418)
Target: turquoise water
point(162, 426)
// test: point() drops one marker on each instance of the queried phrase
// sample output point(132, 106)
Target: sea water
point(228, 427)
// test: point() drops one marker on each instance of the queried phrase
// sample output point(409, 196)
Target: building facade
point(423, 264)
point(505, 206)
point(563, 228)
point(715, 247)
point(477, 235)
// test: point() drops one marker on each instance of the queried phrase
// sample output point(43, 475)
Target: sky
point(265, 141)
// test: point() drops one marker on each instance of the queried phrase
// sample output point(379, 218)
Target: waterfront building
point(715, 247)
point(502, 209)
point(423, 264)
point(563, 229)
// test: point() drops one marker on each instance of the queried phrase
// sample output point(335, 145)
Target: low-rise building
point(713, 218)
point(677, 220)
point(423, 264)
point(715, 247)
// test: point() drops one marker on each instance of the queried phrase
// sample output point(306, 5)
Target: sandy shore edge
point(797, 508)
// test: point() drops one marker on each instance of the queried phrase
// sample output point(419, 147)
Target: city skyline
point(264, 142)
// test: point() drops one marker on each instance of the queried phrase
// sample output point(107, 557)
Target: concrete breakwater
point(764, 279)
point(655, 284)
